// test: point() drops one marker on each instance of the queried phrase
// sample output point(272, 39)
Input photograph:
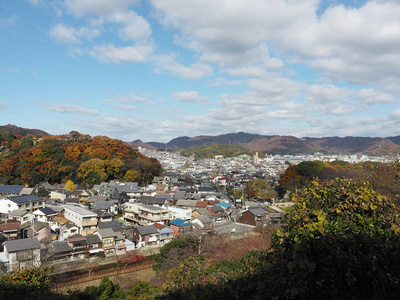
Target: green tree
point(311, 169)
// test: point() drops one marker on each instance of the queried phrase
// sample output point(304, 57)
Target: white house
point(180, 213)
point(22, 254)
point(85, 219)
point(24, 202)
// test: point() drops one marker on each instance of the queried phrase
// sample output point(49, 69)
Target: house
point(112, 242)
point(24, 202)
point(67, 230)
point(184, 203)
point(21, 216)
point(146, 236)
point(203, 223)
point(59, 250)
point(11, 231)
point(85, 219)
point(180, 227)
point(166, 233)
point(78, 243)
point(44, 214)
point(11, 190)
point(94, 243)
point(180, 213)
point(106, 206)
point(85, 195)
point(255, 217)
point(201, 211)
point(103, 216)
point(23, 254)
point(61, 194)
point(218, 213)
point(142, 214)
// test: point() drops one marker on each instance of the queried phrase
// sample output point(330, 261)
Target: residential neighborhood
point(114, 218)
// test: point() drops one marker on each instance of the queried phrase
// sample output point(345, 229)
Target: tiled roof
point(180, 222)
point(93, 239)
point(20, 245)
point(148, 229)
point(114, 224)
point(10, 226)
point(60, 246)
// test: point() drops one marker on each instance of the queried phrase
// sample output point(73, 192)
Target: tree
point(70, 186)
point(311, 169)
point(92, 171)
point(132, 176)
point(130, 257)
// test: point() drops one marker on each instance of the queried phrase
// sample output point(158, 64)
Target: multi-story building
point(142, 214)
point(85, 219)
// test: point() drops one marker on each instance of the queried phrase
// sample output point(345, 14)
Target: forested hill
point(81, 158)
point(23, 131)
point(212, 151)
point(275, 144)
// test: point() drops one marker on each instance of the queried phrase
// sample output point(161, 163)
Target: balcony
point(89, 223)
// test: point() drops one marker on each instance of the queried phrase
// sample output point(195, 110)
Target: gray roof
point(11, 189)
point(102, 214)
point(149, 200)
point(106, 232)
point(20, 245)
point(258, 211)
point(148, 229)
point(179, 195)
point(189, 203)
point(103, 205)
point(25, 199)
point(18, 213)
point(204, 219)
point(60, 246)
point(114, 224)
point(119, 236)
point(203, 211)
point(93, 239)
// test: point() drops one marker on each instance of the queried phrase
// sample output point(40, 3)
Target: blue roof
point(180, 222)
point(224, 205)
point(25, 199)
point(11, 189)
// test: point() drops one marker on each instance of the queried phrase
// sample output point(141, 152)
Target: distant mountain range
point(275, 144)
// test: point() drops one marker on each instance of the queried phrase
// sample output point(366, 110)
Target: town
point(115, 218)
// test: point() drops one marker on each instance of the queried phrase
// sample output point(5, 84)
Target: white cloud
point(3, 105)
point(133, 54)
point(98, 7)
point(135, 28)
point(66, 108)
point(64, 35)
point(195, 71)
point(189, 97)
point(276, 89)
point(134, 97)
point(372, 96)
point(126, 107)
point(326, 93)
point(69, 35)
point(223, 81)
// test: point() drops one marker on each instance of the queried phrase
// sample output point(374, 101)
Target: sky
point(159, 69)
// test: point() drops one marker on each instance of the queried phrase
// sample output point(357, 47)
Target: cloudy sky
point(158, 69)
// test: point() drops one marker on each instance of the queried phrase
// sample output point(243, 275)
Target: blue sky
point(155, 70)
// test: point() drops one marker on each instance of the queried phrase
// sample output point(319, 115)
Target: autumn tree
point(92, 171)
point(132, 176)
point(69, 185)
